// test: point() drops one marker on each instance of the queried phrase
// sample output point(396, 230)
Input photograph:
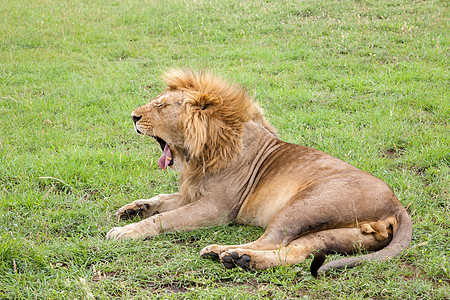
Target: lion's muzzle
point(135, 119)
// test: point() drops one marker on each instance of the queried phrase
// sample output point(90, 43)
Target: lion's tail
point(400, 241)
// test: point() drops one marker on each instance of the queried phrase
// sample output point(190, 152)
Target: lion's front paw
point(125, 232)
point(143, 208)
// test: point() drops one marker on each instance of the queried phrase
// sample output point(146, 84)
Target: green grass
point(366, 81)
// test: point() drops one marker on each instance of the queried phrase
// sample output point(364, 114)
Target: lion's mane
point(212, 120)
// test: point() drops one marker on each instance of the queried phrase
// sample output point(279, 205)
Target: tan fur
point(233, 167)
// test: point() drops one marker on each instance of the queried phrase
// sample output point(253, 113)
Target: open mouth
point(160, 141)
point(166, 158)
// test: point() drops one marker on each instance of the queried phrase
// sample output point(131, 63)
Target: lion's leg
point(336, 203)
point(264, 259)
point(200, 213)
point(262, 244)
point(257, 256)
point(214, 251)
point(148, 207)
point(342, 240)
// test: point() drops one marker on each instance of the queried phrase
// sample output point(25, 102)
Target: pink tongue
point(165, 159)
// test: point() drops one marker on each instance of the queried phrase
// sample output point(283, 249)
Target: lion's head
point(198, 121)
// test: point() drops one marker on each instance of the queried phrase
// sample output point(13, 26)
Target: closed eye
point(159, 104)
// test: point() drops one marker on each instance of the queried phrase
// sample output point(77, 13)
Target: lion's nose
point(135, 118)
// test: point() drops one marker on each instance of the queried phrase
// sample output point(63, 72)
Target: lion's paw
point(143, 208)
point(232, 258)
point(126, 232)
point(211, 251)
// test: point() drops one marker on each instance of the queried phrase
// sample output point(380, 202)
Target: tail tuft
point(317, 262)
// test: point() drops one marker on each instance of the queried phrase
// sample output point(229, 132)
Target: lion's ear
point(207, 103)
point(201, 125)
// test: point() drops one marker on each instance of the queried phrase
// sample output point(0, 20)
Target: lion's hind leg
point(341, 240)
point(296, 252)
point(263, 259)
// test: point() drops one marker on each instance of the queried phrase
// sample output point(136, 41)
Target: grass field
point(366, 81)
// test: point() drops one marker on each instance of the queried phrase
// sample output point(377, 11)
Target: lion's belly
point(260, 207)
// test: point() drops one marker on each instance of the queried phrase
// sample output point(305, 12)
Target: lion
point(233, 167)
